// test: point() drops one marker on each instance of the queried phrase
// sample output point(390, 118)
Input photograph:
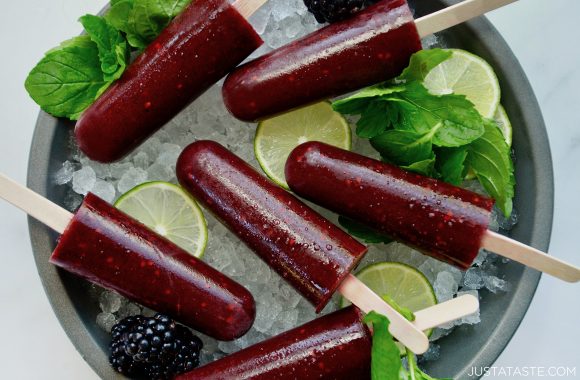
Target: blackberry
point(335, 10)
point(153, 348)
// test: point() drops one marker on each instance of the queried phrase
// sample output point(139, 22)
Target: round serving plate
point(469, 345)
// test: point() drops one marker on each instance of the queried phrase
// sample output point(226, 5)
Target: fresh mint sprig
point(70, 77)
point(441, 136)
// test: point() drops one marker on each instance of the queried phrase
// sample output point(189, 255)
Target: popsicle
point(200, 46)
point(333, 347)
point(373, 46)
point(111, 249)
point(443, 221)
point(308, 251)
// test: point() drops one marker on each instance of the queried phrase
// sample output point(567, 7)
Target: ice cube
point(445, 286)
point(105, 190)
point(65, 174)
point(131, 178)
point(495, 284)
point(473, 278)
point(84, 180)
point(106, 321)
point(110, 302)
point(141, 160)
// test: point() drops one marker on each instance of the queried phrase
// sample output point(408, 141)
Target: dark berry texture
point(336, 10)
point(153, 348)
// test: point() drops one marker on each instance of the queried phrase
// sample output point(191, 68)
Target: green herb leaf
point(118, 14)
point(68, 79)
point(362, 232)
point(489, 158)
point(374, 120)
point(422, 62)
point(450, 164)
point(453, 118)
point(424, 167)
point(113, 50)
point(148, 18)
point(403, 147)
point(407, 313)
point(358, 103)
point(385, 360)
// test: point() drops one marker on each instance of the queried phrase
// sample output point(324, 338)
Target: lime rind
point(275, 138)
point(504, 124)
point(184, 224)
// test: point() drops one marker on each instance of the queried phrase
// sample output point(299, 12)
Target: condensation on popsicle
point(441, 220)
point(372, 46)
point(308, 251)
point(200, 46)
point(334, 347)
point(109, 248)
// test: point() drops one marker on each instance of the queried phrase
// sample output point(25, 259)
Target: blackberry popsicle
point(333, 347)
point(109, 248)
point(443, 221)
point(309, 252)
point(200, 46)
point(372, 46)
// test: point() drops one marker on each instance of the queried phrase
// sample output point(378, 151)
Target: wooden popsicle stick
point(446, 312)
point(456, 14)
point(248, 7)
point(366, 300)
point(514, 250)
point(34, 204)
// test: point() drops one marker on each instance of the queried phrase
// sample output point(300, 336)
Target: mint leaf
point(455, 118)
point(148, 18)
point(362, 232)
point(374, 120)
point(422, 62)
point(357, 103)
point(68, 79)
point(425, 167)
point(113, 51)
point(489, 158)
point(450, 164)
point(403, 147)
point(385, 359)
point(118, 14)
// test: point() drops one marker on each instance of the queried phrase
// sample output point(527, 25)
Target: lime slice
point(170, 211)
point(466, 74)
point(404, 284)
point(277, 137)
point(504, 124)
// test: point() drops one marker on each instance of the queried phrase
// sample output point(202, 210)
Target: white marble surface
point(542, 35)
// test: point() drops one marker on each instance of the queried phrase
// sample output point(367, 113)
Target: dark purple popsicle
point(441, 220)
point(334, 347)
point(373, 46)
point(308, 251)
point(201, 45)
point(113, 250)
